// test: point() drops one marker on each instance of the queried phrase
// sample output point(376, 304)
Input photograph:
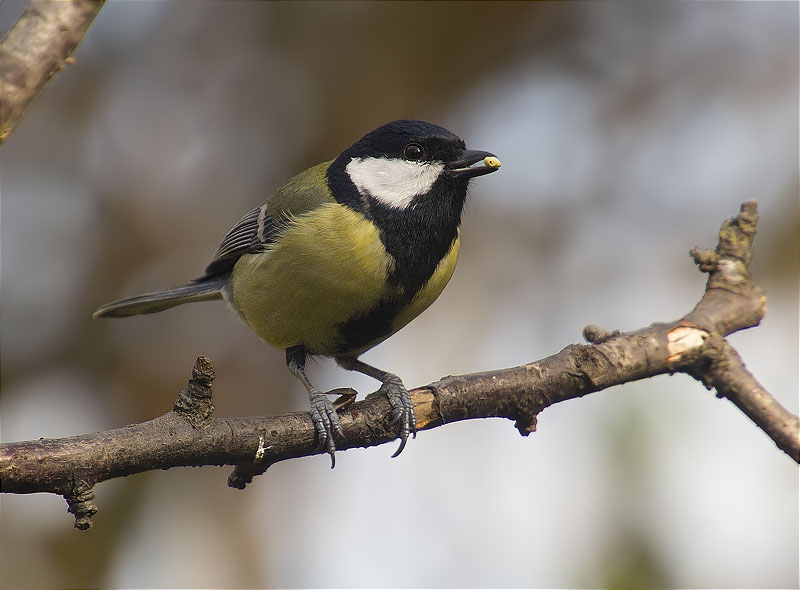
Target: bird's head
point(404, 162)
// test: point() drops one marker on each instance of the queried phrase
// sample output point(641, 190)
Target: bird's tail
point(162, 300)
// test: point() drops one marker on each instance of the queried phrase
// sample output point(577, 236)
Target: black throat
point(417, 237)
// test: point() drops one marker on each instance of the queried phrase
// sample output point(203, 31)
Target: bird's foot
point(326, 424)
point(402, 409)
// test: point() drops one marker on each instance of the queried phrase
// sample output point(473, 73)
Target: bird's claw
point(402, 409)
point(326, 424)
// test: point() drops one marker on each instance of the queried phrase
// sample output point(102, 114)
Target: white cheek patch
point(394, 182)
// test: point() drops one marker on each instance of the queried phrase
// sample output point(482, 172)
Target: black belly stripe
point(360, 332)
point(417, 238)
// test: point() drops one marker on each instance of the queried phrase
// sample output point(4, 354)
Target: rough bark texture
point(35, 49)
point(188, 435)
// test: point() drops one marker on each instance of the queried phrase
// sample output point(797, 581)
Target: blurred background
point(627, 132)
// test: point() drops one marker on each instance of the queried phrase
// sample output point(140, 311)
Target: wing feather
point(258, 228)
point(253, 233)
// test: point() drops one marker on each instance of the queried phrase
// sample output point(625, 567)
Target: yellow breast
point(328, 266)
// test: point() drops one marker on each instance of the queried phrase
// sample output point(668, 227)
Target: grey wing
point(253, 233)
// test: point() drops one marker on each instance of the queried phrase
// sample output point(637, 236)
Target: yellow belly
point(328, 267)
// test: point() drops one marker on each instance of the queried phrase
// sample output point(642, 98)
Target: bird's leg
point(323, 414)
point(393, 388)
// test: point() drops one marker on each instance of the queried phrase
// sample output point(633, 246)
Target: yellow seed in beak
point(491, 162)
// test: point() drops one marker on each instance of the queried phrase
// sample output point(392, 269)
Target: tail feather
point(162, 300)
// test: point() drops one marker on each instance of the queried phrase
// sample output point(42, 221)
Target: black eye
point(413, 151)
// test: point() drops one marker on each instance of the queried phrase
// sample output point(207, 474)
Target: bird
point(341, 257)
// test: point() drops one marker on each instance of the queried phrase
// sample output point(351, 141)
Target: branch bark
point(189, 436)
point(36, 48)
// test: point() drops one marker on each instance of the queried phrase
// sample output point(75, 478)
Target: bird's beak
point(463, 166)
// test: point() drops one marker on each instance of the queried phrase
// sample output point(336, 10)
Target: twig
point(188, 435)
point(35, 49)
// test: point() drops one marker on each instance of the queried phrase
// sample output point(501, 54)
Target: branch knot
point(194, 401)
point(81, 504)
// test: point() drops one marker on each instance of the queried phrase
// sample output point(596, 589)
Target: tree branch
point(189, 436)
point(35, 49)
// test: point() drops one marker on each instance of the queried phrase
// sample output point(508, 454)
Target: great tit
point(342, 256)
